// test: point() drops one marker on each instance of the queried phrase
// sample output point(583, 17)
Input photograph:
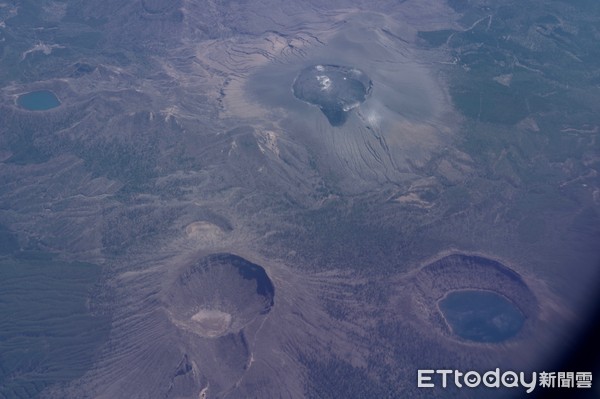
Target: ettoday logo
point(507, 379)
point(473, 379)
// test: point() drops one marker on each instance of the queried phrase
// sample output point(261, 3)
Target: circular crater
point(335, 89)
point(219, 294)
point(475, 299)
point(205, 232)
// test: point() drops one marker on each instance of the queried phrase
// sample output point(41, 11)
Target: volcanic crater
point(472, 298)
point(219, 294)
point(335, 89)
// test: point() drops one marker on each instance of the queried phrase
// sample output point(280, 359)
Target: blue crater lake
point(38, 100)
point(481, 316)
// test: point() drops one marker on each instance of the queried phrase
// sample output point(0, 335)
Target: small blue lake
point(481, 316)
point(41, 100)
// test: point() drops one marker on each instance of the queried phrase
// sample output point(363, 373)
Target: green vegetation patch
point(47, 333)
point(489, 101)
point(8, 241)
point(435, 38)
point(338, 379)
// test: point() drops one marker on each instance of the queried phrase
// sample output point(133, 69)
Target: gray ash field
point(284, 199)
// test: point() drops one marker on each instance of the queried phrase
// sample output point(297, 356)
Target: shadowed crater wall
point(220, 294)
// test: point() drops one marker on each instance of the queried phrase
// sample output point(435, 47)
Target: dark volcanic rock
point(334, 89)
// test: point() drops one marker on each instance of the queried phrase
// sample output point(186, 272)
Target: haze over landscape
point(270, 199)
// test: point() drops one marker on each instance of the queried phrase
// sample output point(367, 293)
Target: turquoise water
point(38, 100)
point(481, 316)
